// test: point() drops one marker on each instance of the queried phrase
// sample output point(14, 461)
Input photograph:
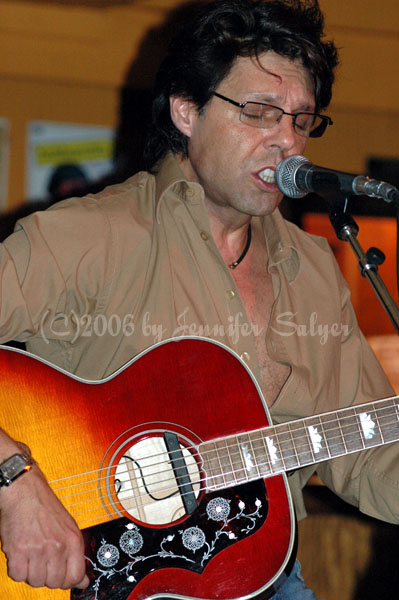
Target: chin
point(268, 207)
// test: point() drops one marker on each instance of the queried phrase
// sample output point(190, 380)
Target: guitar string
point(212, 452)
point(223, 485)
point(138, 505)
point(230, 456)
point(273, 430)
point(224, 474)
point(229, 483)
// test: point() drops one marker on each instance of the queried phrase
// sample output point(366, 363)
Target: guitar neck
point(273, 450)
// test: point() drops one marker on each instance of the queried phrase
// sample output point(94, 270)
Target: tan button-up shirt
point(91, 282)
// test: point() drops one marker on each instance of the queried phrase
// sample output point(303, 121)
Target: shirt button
point(190, 193)
point(204, 236)
point(230, 294)
point(245, 356)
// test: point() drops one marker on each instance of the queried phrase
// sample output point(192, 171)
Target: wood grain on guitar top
point(80, 431)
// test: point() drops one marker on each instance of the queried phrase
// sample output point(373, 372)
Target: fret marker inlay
point(367, 426)
point(272, 449)
point(315, 438)
point(247, 457)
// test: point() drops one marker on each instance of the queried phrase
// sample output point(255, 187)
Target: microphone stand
point(346, 230)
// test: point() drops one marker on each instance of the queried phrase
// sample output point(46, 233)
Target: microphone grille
point(285, 176)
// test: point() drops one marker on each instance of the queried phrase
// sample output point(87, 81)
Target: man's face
point(234, 162)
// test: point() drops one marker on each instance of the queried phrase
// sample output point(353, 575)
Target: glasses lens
point(305, 123)
point(265, 116)
point(260, 115)
point(319, 127)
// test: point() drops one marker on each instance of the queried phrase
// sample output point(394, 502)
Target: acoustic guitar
point(173, 470)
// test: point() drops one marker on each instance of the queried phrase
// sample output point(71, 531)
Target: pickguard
point(121, 553)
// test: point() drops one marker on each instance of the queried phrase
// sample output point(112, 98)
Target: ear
point(183, 112)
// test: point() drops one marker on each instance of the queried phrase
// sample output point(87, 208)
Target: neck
point(234, 244)
point(229, 227)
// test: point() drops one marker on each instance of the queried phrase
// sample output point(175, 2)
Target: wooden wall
point(365, 105)
point(67, 62)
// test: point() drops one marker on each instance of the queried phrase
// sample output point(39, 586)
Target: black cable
point(118, 481)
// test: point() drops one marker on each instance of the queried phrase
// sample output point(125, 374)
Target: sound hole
point(146, 485)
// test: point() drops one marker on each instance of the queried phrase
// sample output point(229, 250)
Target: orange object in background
point(373, 231)
point(374, 322)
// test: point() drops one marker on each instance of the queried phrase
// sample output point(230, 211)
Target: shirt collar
point(279, 242)
point(169, 176)
point(280, 245)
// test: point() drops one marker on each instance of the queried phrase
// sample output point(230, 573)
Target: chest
point(257, 294)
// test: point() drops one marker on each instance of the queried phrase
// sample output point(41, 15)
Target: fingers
point(17, 568)
point(60, 568)
point(42, 543)
point(43, 574)
point(82, 585)
point(64, 567)
point(75, 575)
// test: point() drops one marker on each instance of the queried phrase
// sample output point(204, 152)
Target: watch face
point(13, 467)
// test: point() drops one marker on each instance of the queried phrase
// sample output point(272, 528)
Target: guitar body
point(102, 447)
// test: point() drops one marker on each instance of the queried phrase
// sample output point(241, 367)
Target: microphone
point(296, 176)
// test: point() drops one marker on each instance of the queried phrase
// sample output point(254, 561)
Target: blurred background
point(75, 96)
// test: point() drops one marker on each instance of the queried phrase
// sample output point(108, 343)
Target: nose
point(283, 135)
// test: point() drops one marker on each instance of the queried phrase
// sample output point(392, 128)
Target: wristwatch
point(13, 467)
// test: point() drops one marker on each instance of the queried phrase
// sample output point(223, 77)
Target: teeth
point(268, 175)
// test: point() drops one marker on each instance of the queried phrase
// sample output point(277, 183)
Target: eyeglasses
point(265, 116)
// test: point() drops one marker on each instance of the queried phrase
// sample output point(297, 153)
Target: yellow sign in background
point(73, 152)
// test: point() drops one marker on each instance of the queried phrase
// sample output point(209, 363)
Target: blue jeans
point(294, 588)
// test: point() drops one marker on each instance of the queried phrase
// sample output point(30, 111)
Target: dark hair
point(202, 53)
point(65, 173)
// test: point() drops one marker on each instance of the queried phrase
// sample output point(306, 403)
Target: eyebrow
point(276, 100)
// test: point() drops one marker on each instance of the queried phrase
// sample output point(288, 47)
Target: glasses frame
point(318, 132)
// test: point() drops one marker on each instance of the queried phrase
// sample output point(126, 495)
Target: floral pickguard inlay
point(228, 517)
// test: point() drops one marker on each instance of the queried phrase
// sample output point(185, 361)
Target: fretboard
point(265, 452)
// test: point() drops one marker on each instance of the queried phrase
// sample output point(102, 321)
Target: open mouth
point(268, 175)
